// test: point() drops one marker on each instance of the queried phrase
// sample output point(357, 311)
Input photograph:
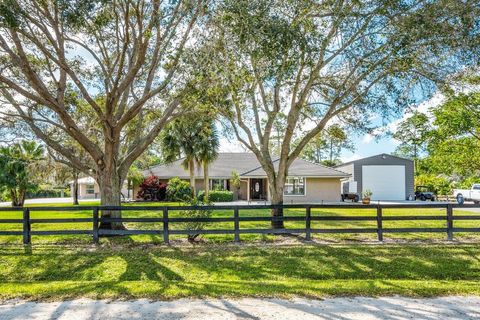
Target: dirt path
point(451, 308)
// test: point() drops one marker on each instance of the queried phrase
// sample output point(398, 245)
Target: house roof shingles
point(247, 165)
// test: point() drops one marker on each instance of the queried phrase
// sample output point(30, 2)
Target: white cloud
point(367, 138)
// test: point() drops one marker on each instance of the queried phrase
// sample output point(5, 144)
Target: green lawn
point(61, 267)
point(162, 272)
point(81, 213)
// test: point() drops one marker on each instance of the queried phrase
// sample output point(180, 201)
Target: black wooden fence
point(166, 231)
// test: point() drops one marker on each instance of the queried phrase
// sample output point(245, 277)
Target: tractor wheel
point(460, 199)
point(422, 198)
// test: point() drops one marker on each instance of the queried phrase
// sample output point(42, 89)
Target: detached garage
point(388, 177)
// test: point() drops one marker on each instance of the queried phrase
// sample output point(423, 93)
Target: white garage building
point(388, 177)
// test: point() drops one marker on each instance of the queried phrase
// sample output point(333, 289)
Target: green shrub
point(5, 196)
point(178, 190)
point(48, 192)
point(195, 226)
point(438, 184)
point(216, 196)
point(468, 182)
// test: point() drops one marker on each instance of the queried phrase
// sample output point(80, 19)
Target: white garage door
point(385, 182)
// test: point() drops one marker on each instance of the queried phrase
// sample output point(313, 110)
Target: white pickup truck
point(468, 195)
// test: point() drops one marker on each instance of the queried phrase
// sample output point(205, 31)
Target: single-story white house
point(388, 177)
point(88, 188)
point(307, 181)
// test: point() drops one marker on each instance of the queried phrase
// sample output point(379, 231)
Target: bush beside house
point(178, 190)
point(151, 189)
point(217, 196)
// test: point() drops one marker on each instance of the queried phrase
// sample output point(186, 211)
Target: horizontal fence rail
point(96, 231)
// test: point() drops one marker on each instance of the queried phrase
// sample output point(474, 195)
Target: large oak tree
point(65, 65)
point(315, 61)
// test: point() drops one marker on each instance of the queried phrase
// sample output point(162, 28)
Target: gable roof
point(371, 157)
point(246, 164)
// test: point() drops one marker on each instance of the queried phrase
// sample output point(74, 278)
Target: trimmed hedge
point(48, 193)
point(217, 195)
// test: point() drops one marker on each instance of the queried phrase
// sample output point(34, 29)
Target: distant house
point(388, 177)
point(307, 182)
point(89, 189)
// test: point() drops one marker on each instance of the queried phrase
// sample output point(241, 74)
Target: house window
point(294, 186)
point(218, 184)
point(90, 189)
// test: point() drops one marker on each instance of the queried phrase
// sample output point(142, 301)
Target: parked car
point(463, 195)
point(423, 193)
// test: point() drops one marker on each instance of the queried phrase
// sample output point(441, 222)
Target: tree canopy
point(316, 61)
point(99, 75)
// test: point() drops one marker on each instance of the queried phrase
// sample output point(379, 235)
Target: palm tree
point(195, 138)
point(207, 144)
point(177, 140)
point(17, 168)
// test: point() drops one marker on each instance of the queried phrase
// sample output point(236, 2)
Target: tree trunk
point(276, 199)
point(15, 198)
point(75, 189)
point(110, 187)
point(205, 181)
point(21, 197)
point(191, 169)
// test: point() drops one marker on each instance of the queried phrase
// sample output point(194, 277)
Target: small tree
point(134, 178)
point(235, 182)
point(412, 134)
point(327, 146)
point(196, 226)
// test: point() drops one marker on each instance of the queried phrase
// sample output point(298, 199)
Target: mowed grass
point(330, 237)
point(64, 267)
point(162, 272)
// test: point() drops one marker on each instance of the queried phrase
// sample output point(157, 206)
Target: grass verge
point(161, 272)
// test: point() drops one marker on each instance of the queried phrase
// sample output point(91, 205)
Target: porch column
point(268, 189)
point(248, 189)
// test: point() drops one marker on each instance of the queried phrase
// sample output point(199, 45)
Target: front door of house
point(256, 189)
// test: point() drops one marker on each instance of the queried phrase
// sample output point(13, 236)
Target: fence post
point(95, 225)
point(449, 222)
point(308, 219)
point(27, 238)
point(165, 226)
point(379, 223)
point(236, 224)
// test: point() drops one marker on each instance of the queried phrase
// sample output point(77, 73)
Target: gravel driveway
point(451, 308)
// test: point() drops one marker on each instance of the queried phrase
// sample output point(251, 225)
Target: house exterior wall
point(317, 190)
point(199, 185)
point(82, 191)
point(356, 170)
point(243, 193)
